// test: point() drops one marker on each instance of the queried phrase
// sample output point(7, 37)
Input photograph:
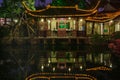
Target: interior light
point(42, 20)
point(53, 68)
point(49, 61)
point(15, 20)
point(53, 18)
point(69, 18)
point(111, 21)
point(69, 69)
point(42, 67)
point(48, 64)
point(111, 65)
point(81, 19)
point(81, 67)
point(48, 21)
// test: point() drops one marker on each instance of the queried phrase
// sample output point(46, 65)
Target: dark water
point(18, 62)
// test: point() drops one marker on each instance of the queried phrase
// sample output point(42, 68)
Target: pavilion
point(73, 21)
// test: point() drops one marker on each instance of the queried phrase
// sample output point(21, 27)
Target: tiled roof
point(110, 11)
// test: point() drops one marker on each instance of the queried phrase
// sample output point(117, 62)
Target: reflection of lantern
point(53, 68)
point(61, 65)
point(69, 69)
point(42, 67)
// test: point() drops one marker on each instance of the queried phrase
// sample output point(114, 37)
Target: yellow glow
point(42, 20)
point(15, 20)
point(53, 68)
point(53, 18)
point(42, 67)
point(81, 67)
point(111, 65)
point(69, 18)
point(99, 68)
point(111, 21)
point(69, 69)
point(81, 20)
point(48, 21)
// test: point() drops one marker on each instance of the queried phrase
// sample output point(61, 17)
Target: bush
point(115, 35)
point(115, 46)
point(4, 31)
point(98, 39)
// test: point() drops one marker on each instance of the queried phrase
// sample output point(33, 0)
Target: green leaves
point(63, 3)
point(98, 39)
point(11, 8)
point(17, 10)
point(4, 31)
point(30, 4)
point(115, 35)
point(81, 4)
point(58, 3)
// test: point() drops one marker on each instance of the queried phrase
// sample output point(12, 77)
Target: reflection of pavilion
point(72, 21)
point(61, 67)
point(62, 60)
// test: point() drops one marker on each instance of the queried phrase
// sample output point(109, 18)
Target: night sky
point(42, 3)
point(1, 1)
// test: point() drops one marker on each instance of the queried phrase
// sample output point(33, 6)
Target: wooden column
point(85, 28)
point(93, 26)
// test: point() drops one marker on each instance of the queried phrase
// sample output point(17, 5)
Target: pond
point(22, 62)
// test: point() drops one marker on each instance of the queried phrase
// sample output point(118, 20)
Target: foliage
point(4, 31)
point(30, 4)
point(81, 4)
point(99, 43)
point(115, 46)
point(63, 2)
point(11, 7)
point(115, 35)
point(98, 39)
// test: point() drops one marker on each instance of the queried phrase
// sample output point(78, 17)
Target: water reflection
point(21, 61)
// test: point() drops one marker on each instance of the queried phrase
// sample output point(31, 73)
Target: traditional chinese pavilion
point(73, 20)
